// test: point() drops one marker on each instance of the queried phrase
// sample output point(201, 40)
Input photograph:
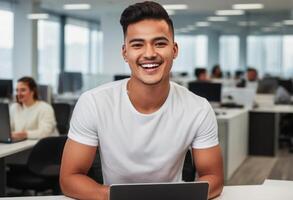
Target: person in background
point(251, 74)
point(201, 74)
point(216, 72)
point(30, 117)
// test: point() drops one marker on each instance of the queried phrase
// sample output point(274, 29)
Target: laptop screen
point(160, 191)
point(5, 131)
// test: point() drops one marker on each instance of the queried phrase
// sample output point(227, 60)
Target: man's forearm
point(82, 187)
point(215, 184)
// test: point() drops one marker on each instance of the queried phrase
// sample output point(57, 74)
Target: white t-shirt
point(37, 120)
point(136, 147)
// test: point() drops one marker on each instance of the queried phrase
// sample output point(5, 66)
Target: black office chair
point(62, 114)
point(189, 170)
point(42, 170)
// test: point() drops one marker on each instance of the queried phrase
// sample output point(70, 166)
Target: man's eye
point(137, 45)
point(161, 44)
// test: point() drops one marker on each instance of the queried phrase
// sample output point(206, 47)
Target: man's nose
point(150, 52)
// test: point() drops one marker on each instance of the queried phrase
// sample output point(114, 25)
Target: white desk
point(233, 138)
point(10, 149)
point(270, 190)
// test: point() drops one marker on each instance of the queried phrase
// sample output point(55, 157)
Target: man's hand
point(19, 135)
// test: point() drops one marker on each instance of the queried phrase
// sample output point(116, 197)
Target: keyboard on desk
point(231, 105)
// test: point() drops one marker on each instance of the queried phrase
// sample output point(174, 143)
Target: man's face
point(149, 50)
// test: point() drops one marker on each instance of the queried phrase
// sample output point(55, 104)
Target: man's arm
point(209, 166)
point(76, 160)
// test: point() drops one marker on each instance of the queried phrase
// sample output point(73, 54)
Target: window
point(48, 52)
point(265, 54)
point(229, 52)
point(6, 44)
point(288, 56)
point(96, 52)
point(77, 49)
point(193, 52)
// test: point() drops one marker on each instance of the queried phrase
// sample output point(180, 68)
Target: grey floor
point(255, 169)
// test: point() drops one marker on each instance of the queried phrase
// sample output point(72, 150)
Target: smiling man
point(142, 126)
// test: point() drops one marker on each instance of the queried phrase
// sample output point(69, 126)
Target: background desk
point(7, 150)
point(233, 138)
point(264, 128)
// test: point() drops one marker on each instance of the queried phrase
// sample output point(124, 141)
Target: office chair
point(189, 170)
point(62, 114)
point(42, 170)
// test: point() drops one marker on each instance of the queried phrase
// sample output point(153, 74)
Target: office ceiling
point(275, 11)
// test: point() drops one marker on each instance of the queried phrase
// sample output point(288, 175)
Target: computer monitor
point(267, 85)
point(287, 84)
point(120, 76)
point(6, 88)
point(70, 82)
point(210, 91)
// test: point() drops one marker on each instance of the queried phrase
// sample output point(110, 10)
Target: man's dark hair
point(199, 71)
point(144, 10)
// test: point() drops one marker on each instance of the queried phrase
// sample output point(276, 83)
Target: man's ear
point(175, 50)
point(124, 54)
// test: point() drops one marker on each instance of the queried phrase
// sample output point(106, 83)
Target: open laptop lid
point(160, 191)
point(5, 131)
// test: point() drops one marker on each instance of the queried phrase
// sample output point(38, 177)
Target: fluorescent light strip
point(217, 19)
point(171, 12)
point(202, 24)
point(37, 16)
point(76, 6)
point(175, 6)
point(288, 22)
point(229, 12)
point(252, 6)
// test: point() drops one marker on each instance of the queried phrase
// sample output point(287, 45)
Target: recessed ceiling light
point(217, 19)
point(288, 22)
point(251, 6)
point(202, 24)
point(175, 6)
point(76, 6)
point(38, 16)
point(229, 12)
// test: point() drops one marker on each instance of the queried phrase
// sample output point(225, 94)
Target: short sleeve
point(207, 133)
point(83, 123)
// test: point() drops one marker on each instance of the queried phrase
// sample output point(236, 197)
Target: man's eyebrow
point(136, 40)
point(142, 40)
point(161, 38)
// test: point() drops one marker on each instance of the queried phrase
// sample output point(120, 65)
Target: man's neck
point(147, 98)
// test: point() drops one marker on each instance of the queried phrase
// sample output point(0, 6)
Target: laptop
point(5, 129)
point(160, 191)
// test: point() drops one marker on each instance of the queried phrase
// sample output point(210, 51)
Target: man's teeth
point(149, 65)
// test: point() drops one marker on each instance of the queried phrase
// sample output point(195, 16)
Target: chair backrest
point(45, 158)
point(189, 170)
point(62, 115)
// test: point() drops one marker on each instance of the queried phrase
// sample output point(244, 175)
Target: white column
point(25, 41)
point(113, 62)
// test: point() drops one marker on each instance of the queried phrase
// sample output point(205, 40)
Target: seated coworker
point(142, 126)
point(201, 74)
point(31, 118)
point(216, 72)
